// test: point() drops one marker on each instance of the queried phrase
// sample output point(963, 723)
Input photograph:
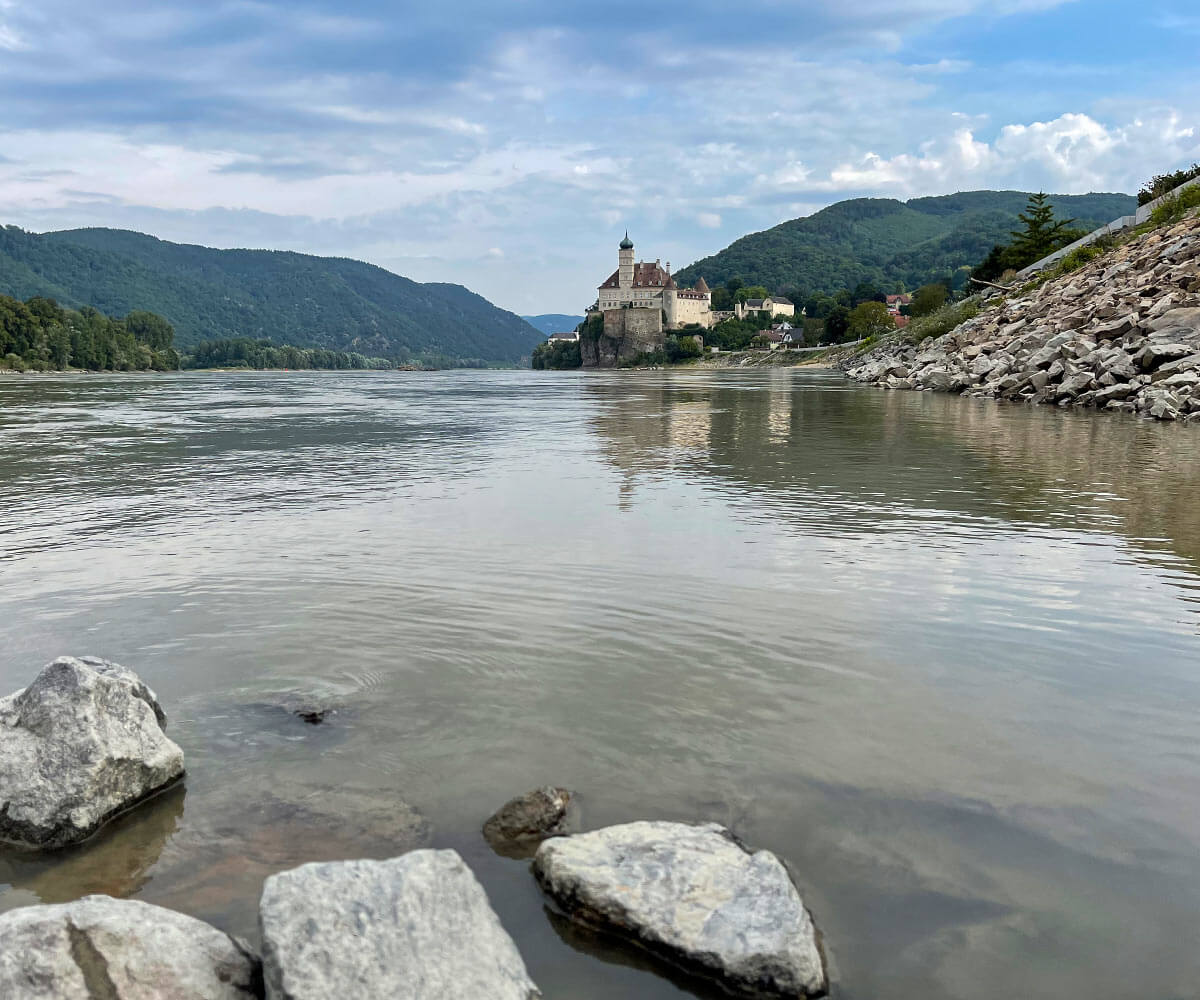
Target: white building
point(775, 305)
point(643, 285)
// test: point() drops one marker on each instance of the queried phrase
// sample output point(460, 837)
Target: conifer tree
point(1042, 233)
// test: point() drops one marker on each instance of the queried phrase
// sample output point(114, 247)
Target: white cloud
point(9, 39)
point(537, 141)
point(1070, 154)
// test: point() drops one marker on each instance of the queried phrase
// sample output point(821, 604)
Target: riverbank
point(1121, 333)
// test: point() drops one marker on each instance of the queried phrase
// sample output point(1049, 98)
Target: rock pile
point(85, 741)
point(1122, 334)
point(82, 743)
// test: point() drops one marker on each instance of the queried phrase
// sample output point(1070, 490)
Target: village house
point(782, 335)
point(894, 302)
point(776, 305)
point(570, 337)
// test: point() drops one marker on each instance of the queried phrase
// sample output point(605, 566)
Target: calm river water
point(942, 656)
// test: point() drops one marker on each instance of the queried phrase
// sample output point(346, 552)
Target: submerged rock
point(521, 823)
point(417, 927)
point(99, 948)
point(694, 896)
point(81, 744)
point(215, 864)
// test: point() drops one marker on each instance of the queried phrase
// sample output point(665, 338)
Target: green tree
point(837, 323)
point(927, 299)
point(722, 299)
point(1041, 234)
point(556, 354)
point(864, 291)
point(751, 292)
point(1161, 184)
point(150, 329)
point(682, 348)
point(869, 319)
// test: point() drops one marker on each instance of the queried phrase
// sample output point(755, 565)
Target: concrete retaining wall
point(1116, 226)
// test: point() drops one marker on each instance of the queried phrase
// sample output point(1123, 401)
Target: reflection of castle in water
point(790, 440)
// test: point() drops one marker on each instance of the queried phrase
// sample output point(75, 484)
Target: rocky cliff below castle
point(1121, 333)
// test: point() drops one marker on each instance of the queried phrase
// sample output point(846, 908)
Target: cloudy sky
point(507, 144)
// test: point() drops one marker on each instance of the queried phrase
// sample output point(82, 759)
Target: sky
point(508, 144)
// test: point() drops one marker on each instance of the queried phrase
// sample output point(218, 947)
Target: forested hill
point(294, 298)
point(881, 241)
point(553, 322)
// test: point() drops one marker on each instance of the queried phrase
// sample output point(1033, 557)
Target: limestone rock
point(82, 743)
point(521, 823)
point(100, 948)
point(1188, 317)
point(1152, 355)
point(694, 896)
point(1129, 318)
point(416, 927)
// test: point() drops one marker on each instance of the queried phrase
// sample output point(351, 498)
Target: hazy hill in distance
point(550, 323)
point(293, 298)
point(882, 240)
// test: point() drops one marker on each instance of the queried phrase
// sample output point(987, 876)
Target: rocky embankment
point(85, 741)
point(1122, 333)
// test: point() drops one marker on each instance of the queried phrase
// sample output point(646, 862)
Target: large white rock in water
point(82, 743)
point(416, 927)
point(694, 896)
point(100, 947)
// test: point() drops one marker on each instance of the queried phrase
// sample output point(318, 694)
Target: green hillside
point(294, 298)
point(884, 241)
point(550, 323)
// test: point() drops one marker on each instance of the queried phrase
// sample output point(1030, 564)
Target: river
point(939, 654)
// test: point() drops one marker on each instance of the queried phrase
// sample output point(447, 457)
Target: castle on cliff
point(646, 286)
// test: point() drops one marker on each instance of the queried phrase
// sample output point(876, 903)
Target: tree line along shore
point(39, 335)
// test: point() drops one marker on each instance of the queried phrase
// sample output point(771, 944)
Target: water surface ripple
point(943, 656)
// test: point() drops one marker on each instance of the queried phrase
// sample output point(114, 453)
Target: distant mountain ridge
point(330, 302)
point(882, 240)
point(550, 323)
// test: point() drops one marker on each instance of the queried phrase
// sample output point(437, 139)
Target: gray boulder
point(1106, 395)
point(1188, 317)
point(521, 823)
point(81, 744)
point(416, 927)
point(694, 896)
point(1152, 355)
point(100, 948)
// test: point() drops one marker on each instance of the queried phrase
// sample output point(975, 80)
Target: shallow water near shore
point(941, 655)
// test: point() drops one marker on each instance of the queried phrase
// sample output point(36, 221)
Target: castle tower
point(625, 257)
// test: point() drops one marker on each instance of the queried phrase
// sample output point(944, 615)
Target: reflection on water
point(939, 654)
point(116, 862)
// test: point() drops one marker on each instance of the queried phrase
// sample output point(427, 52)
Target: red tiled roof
point(644, 276)
point(904, 300)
